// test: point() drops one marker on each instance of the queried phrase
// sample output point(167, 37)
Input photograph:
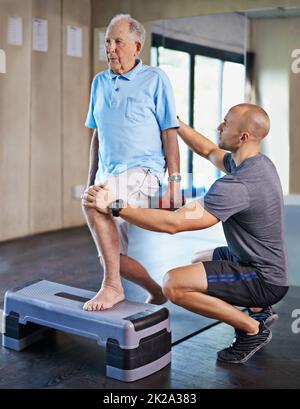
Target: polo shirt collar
point(130, 74)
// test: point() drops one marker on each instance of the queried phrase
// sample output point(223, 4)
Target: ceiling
point(278, 12)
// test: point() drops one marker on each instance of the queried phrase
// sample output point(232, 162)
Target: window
point(176, 65)
point(206, 83)
point(233, 85)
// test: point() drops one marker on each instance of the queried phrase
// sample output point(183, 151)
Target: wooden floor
point(65, 361)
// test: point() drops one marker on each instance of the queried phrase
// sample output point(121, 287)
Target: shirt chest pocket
point(135, 109)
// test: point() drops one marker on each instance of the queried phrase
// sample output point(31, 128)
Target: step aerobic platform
point(137, 336)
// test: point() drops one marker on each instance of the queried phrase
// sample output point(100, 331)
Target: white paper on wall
point(101, 51)
point(2, 64)
point(74, 41)
point(15, 30)
point(40, 35)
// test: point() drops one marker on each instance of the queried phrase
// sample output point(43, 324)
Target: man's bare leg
point(135, 272)
point(106, 238)
point(187, 286)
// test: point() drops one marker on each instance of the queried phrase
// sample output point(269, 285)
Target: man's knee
point(91, 214)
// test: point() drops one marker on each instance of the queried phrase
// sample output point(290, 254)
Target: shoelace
point(262, 315)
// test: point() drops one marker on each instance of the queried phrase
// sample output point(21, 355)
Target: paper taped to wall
point(74, 41)
point(15, 30)
point(101, 51)
point(40, 35)
point(2, 62)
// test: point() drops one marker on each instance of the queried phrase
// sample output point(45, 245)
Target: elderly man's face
point(122, 48)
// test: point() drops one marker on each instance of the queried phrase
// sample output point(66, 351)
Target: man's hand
point(173, 198)
point(99, 198)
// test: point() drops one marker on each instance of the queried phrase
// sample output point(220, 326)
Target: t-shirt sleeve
point(90, 119)
point(226, 197)
point(165, 103)
point(229, 163)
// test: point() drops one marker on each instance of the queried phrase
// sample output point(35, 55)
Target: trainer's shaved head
point(244, 125)
point(252, 119)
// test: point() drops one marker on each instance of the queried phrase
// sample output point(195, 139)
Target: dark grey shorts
point(238, 283)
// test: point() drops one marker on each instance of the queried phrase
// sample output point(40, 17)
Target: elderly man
point(252, 270)
point(133, 113)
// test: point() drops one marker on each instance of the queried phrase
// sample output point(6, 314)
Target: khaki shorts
point(137, 187)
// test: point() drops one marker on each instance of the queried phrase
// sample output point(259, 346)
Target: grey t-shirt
point(249, 202)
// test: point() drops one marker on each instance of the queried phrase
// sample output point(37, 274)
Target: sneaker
point(244, 346)
point(267, 315)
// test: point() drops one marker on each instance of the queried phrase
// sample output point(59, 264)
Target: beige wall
point(277, 90)
point(43, 103)
point(271, 78)
point(294, 100)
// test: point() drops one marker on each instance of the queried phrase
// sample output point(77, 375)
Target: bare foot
point(106, 298)
point(156, 299)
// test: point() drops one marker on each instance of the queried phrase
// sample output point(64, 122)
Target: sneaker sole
point(269, 321)
point(251, 353)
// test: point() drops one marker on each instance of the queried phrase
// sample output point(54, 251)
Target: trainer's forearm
point(163, 221)
point(93, 161)
point(195, 140)
point(188, 218)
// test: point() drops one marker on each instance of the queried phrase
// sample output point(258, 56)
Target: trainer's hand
point(99, 198)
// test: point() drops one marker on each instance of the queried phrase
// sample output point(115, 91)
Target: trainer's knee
point(170, 287)
point(203, 255)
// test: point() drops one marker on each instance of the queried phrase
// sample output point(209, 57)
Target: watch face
point(115, 212)
point(116, 206)
point(175, 178)
point(120, 203)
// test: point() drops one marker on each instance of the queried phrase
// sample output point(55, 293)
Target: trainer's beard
point(222, 145)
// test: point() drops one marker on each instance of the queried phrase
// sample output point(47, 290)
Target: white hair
point(135, 27)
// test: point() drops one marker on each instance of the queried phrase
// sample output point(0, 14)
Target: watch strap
point(174, 178)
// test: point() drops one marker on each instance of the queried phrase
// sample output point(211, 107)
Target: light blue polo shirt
point(130, 110)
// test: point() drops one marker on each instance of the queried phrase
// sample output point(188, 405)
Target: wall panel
point(294, 31)
point(76, 76)
point(14, 124)
point(45, 169)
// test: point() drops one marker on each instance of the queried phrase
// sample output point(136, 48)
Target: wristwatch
point(174, 178)
point(116, 207)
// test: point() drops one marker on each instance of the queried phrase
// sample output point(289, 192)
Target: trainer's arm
point(93, 161)
point(202, 145)
point(190, 217)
